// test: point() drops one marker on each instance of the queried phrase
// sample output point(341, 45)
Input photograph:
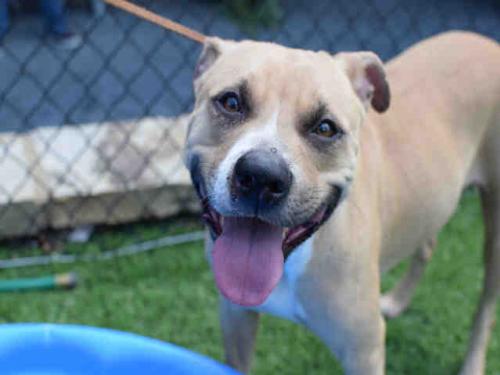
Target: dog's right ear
point(211, 51)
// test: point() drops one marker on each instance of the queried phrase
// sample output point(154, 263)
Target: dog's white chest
point(283, 300)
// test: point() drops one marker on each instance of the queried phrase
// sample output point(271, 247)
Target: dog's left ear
point(367, 75)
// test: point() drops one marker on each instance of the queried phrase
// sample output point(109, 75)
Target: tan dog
point(309, 198)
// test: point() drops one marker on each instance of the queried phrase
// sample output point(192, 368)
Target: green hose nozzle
point(61, 281)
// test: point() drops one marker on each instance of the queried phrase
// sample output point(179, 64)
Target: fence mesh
point(72, 122)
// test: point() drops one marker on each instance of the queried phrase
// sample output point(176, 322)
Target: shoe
point(67, 41)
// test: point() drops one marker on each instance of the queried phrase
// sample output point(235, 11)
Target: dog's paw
point(390, 307)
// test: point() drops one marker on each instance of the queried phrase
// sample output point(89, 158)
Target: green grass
point(252, 15)
point(169, 294)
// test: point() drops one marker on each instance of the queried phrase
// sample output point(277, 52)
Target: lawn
point(169, 294)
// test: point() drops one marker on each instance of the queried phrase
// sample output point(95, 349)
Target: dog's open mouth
point(249, 253)
point(292, 237)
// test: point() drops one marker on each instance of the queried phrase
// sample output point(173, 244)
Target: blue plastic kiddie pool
point(53, 349)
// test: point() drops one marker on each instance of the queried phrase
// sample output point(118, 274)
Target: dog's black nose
point(261, 177)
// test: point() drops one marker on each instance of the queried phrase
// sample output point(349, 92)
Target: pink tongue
point(248, 260)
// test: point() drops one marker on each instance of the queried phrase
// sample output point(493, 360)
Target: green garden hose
point(61, 281)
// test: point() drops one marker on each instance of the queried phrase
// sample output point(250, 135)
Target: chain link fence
point(93, 135)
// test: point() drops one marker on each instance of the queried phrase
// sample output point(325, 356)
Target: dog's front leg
point(365, 348)
point(359, 343)
point(239, 328)
point(344, 312)
point(357, 339)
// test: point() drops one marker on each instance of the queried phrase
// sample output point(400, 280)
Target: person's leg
point(4, 19)
point(53, 10)
point(57, 24)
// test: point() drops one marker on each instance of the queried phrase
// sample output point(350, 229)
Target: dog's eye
point(230, 103)
point(327, 129)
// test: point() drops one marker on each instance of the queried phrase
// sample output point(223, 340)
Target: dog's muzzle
point(249, 252)
point(259, 179)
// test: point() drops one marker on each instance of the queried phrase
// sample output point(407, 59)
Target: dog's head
point(272, 149)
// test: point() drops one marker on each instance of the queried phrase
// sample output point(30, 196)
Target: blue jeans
point(53, 10)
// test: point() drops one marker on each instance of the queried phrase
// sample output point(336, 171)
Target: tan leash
point(159, 20)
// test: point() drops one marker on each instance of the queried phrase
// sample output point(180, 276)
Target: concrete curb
point(59, 177)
